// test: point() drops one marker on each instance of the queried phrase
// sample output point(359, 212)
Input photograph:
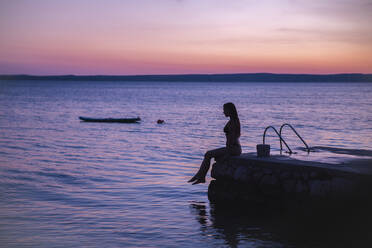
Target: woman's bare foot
point(192, 179)
point(199, 181)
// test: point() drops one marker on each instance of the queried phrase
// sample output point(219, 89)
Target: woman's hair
point(232, 110)
point(233, 114)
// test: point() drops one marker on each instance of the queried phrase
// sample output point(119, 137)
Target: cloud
point(327, 34)
point(358, 11)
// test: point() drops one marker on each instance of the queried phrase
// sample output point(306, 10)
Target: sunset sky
point(119, 37)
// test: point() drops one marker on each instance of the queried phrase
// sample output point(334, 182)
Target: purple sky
point(185, 36)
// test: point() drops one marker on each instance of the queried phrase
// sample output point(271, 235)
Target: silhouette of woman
point(233, 148)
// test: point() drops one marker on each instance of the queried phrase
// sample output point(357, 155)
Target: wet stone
point(301, 187)
point(241, 174)
point(341, 185)
point(269, 180)
point(289, 185)
point(313, 174)
point(256, 177)
point(297, 175)
point(285, 175)
point(253, 178)
point(319, 187)
point(305, 176)
point(267, 171)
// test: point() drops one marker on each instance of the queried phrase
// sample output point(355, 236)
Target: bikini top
point(226, 128)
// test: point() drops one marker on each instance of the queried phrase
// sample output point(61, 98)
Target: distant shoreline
point(241, 77)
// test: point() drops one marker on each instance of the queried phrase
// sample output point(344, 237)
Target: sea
point(67, 183)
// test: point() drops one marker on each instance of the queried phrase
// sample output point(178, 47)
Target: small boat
point(110, 120)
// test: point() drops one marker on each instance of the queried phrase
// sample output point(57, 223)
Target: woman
point(232, 132)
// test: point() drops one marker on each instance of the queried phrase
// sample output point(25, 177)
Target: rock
point(320, 188)
point(241, 174)
point(305, 175)
point(255, 179)
point(269, 180)
point(269, 185)
point(313, 175)
point(267, 171)
point(301, 187)
point(285, 175)
point(256, 176)
point(289, 186)
point(341, 186)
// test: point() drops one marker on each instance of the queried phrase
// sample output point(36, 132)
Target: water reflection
point(200, 211)
point(232, 226)
point(255, 226)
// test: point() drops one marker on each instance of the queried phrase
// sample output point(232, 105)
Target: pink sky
point(121, 37)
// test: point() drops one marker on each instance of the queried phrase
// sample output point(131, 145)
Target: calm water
point(64, 183)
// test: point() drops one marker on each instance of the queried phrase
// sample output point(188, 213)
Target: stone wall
point(281, 179)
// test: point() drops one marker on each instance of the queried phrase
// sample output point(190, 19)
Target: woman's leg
point(204, 167)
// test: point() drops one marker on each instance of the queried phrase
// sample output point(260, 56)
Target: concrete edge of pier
point(282, 179)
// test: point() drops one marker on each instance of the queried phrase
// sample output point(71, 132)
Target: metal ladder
point(281, 138)
point(294, 130)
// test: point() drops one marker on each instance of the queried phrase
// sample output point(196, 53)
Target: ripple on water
point(118, 185)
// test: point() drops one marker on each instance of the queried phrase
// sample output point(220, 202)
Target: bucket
point(263, 150)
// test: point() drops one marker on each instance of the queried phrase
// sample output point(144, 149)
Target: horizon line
point(235, 77)
point(185, 74)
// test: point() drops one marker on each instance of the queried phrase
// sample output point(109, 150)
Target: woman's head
point(230, 110)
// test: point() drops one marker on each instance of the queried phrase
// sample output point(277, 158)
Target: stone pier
point(282, 179)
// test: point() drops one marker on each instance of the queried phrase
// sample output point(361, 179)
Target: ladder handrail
point(280, 137)
point(294, 130)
